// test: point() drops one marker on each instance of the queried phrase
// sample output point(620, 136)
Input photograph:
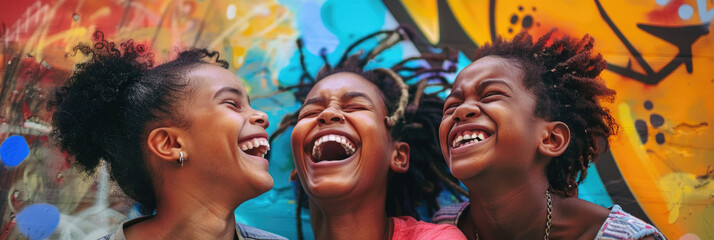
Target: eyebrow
point(229, 90)
point(316, 100)
point(488, 82)
point(347, 96)
point(352, 95)
point(459, 93)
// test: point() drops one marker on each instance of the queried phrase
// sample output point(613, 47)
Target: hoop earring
point(181, 159)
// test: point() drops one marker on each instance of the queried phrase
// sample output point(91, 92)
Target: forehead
point(208, 79)
point(340, 83)
point(490, 67)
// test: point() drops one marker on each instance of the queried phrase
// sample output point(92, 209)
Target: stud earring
point(343, 118)
point(181, 159)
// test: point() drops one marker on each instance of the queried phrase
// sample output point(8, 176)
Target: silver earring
point(343, 118)
point(181, 159)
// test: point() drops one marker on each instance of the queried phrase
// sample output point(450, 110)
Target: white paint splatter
point(231, 12)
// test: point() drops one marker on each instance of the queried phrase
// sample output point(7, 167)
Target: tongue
point(330, 151)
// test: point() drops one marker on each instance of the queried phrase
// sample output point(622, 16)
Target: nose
point(466, 111)
point(259, 118)
point(329, 116)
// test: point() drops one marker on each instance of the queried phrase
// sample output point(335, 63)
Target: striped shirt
point(622, 225)
point(619, 225)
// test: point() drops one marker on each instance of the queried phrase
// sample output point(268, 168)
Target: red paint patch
point(12, 10)
point(666, 15)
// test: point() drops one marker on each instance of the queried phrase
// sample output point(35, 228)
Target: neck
point(515, 208)
point(355, 219)
point(188, 212)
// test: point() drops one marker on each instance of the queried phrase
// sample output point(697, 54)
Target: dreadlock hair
point(563, 75)
point(414, 119)
point(105, 109)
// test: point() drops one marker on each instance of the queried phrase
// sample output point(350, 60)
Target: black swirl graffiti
point(682, 36)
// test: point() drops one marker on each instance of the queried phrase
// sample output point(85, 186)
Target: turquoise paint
point(593, 190)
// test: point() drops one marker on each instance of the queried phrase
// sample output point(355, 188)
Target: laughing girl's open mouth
point(332, 147)
point(469, 137)
point(256, 146)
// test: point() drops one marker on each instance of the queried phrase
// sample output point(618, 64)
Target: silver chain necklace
point(548, 216)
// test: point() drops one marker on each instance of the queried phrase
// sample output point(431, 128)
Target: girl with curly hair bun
point(180, 138)
point(365, 147)
point(520, 128)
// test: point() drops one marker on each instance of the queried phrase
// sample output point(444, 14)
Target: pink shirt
point(409, 228)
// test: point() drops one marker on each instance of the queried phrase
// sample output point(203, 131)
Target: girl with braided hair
point(520, 127)
point(365, 147)
point(180, 138)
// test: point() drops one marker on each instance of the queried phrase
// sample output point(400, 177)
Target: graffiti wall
point(660, 166)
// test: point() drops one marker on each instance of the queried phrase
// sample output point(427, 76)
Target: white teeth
point(345, 142)
point(468, 138)
point(264, 142)
point(255, 143)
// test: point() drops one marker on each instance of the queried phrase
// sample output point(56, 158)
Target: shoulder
point(588, 214)
point(119, 234)
point(621, 225)
point(409, 228)
point(450, 214)
point(251, 233)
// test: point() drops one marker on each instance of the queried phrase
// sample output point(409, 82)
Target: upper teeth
point(342, 140)
point(255, 143)
point(476, 136)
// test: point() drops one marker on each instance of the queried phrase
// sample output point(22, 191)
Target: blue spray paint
point(38, 221)
point(14, 150)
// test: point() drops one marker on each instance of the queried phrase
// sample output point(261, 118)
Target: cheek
point(370, 128)
point(444, 129)
point(300, 131)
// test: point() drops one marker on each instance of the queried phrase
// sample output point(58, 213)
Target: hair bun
point(93, 95)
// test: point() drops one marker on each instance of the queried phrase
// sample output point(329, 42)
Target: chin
point(264, 184)
point(464, 170)
point(327, 189)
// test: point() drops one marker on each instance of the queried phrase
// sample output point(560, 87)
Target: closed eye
point(450, 108)
point(492, 96)
point(307, 114)
point(232, 103)
point(355, 107)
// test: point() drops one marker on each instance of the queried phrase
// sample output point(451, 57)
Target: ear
point(399, 161)
point(555, 140)
point(165, 143)
point(293, 175)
